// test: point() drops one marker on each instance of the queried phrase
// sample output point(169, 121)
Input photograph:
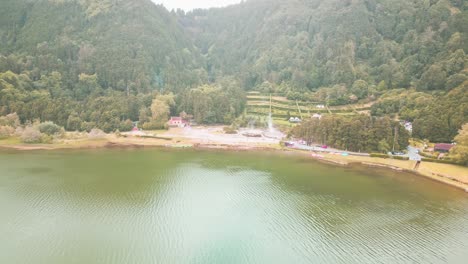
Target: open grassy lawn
point(10, 141)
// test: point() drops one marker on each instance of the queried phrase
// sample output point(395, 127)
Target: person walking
point(418, 163)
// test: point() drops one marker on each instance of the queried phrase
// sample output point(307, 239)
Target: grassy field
point(10, 141)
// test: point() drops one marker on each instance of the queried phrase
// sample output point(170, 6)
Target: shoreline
point(460, 181)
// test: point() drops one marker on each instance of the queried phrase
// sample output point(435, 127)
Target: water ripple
point(173, 207)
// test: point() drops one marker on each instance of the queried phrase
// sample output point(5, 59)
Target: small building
point(295, 120)
point(443, 147)
point(177, 121)
point(318, 116)
point(407, 125)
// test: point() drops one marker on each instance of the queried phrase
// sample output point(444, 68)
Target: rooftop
point(443, 146)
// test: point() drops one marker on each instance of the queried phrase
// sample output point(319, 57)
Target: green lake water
point(161, 206)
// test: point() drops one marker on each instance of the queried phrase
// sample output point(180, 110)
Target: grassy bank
point(456, 176)
point(453, 175)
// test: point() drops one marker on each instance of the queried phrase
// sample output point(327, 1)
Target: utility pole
point(299, 109)
point(394, 137)
point(270, 104)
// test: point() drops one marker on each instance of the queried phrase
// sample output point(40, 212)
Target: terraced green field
point(282, 108)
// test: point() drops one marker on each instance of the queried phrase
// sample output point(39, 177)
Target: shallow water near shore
point(166, 206)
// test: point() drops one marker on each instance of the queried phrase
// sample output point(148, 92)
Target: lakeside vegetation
point(358, 133)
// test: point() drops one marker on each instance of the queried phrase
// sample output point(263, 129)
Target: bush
point(444, 161)
point(126, 125)
point(74, 122)
point(154, 125)
point(96, 133)
point(379, 155)
point(19, 131)
point(229, 130)
point(49, 128)
point(46, 139)
point(88, 126)
point(31, 135)
point(6, 131)
point(11, 120)
point(385, 156)
point(427, 155)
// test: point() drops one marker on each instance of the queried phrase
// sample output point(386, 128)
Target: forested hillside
point(130, 45)
point(103, 63)
point(96, 62)
point(315, 43)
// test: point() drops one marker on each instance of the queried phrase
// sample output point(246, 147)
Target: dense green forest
point(307, 45)
point(104, 63)
point(359, 133)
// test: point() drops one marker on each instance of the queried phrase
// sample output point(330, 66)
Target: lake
point(164, 206)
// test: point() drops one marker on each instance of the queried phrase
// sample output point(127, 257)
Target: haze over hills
point(189, 5)
point(101, 61)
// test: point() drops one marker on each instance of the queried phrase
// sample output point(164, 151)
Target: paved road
point(413, 153)
point(326, 150)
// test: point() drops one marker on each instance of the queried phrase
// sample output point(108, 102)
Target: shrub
point(444, 161)
point(19, 131)
point(46, 139)
point(154, 125)
point(31, 135)
point(96, 133)
point(428, 155)
point(229, 130)
point(385, 156)
point(88, 126)
point(379, 155)
point(126, 125)
point(6, 131)
point(11, 120)
point(49, 128)
point(74, 122)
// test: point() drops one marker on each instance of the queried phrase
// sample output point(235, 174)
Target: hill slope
point(86, 63)
point(127, 43)
point(315, 43)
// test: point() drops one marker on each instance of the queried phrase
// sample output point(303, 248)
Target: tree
point(126, 125)
point(360, 89)
point(434, 78)
point(49, 128)
point(6, 131)
point(97, 60)
point(460, 151)
point(383, 146)
point(31, 135)
point(159, 110)
point(74, 122)
point(355, 133)
point(11, 120)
